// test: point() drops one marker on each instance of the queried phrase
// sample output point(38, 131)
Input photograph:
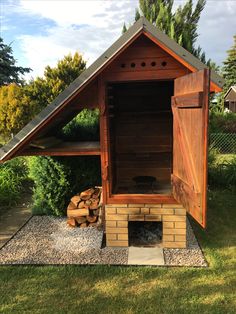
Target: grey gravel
point(191, 256)
point(49, 240)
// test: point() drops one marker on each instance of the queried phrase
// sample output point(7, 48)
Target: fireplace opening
point(145, 233)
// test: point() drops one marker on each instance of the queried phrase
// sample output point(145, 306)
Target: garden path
point(11, 221)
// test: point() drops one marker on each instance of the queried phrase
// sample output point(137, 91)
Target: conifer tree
point(9, 72)
point(229, 68)
point(180, 25)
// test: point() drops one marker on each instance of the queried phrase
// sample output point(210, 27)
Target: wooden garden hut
point(153, 99)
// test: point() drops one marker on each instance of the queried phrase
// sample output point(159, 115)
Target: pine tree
point(180, 25)
point(124, 29)
point(229, 68)
point(9, 72)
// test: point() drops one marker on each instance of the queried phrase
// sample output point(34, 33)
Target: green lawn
point(104, 289)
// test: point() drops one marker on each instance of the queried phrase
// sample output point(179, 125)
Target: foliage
point(43, 90)
point(222, 122)
point(180, 25)
point(18, 105)
point(114, 289)
point(221, 171)
point(229, 68)
point(51, 185)
point(15, 109)
point(58, 178)
point(9, 72)
point(12, 176)
point(84, 172)
point(84, 127)
point(229, 74)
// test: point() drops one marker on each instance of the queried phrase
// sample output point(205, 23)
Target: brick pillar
point(174, 229)
point(116, 226)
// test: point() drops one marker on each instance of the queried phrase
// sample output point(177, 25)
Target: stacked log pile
point(84, 208)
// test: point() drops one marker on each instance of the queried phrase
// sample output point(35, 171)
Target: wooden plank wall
point(144, 60)
point(141, 131)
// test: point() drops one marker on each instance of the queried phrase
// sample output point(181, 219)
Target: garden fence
point(225, 143)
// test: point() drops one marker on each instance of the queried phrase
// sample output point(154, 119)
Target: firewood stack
point(84, 208)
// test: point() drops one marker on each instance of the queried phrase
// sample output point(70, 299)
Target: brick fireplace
point(172, 216)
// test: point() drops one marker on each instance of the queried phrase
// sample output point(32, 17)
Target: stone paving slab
point(12, 221)
point(145, 256)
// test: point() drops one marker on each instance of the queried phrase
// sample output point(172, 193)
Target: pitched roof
point(233, 87)
point(141, 26)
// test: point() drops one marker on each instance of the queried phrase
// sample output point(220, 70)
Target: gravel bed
point(49, 240)
point(191, 256)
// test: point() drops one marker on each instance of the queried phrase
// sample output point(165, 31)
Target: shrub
point(51, 185)
point(13, 173)
point(222, 122)
point(221, 173)
point(84, 127)
point(58, 178)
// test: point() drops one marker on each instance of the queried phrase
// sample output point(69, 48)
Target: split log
point(92, 224)
point(81, 220)
point(77, 212)
point(96, 212)
point(71, 222)
point(83, 225)
point(75, 200)
point(96, 193)
point(84, 209)
point(94, 204)
point(91, 218)
point(85, 195)
point(88, 202)
point(71, 206)
point(82, 204)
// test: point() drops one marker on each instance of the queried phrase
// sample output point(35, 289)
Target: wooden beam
point(66, 149)
point(191, 100)
point(141, 199)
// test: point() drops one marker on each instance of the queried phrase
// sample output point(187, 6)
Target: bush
point(51, 185)
point(84, 127)
point(58, 178)
point(221, 173)
point(13, 173)
point(222, 122)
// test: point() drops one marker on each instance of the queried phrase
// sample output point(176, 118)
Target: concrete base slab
point(145, 256)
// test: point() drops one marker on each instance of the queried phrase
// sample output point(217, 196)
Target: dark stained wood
point(140, 134)
point(191, 100)
point(144, 60)
point(190, 127)
point(144, 75)
point(66, 149)
point(212, 86)
point(103, 137)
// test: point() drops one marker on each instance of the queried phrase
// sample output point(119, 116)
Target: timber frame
point(142, 54)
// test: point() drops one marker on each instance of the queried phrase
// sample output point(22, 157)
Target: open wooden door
point(190, 130)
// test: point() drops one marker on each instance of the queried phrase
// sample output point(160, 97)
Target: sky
point(41, 32)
